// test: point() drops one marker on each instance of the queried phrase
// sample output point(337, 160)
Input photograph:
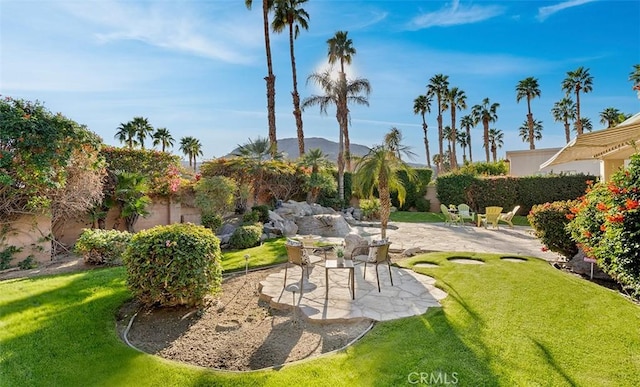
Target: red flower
point(589, 182)
point(613, 189)
point(574, 210)
point(198, 176)
point(544, 248)
point(602, 207)
point(632, 204)
point(603, 228)
point(616, 218)
point(587, 234)
point(570, 216)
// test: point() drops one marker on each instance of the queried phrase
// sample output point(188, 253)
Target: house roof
point(618, 142)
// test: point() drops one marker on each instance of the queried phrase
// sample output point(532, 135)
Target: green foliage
point(246, 236)
point(130, 194)
point(173, 265)
point(492, 191)
point(607, 225)
point(422, 204)
point(6, 255)
point(250, 217)
point(329, 195)
point(549, 221)
point(215, 194)
point(415, 189)
point(211, 221)
point(542, 189)
point(36, 147)
point(451, 188)
point(482, 168)
point(99, 247)
point(263, 212)
point(28, 263)
point(370, 208)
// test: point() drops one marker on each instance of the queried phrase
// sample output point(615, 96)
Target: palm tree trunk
point(341, 163)
point(578, 121)
point(567, 130)
point(532, 144)
point(385, 205)
point(485, 124)
point(297, 113)
point(440, 137)
point(494, 151)
point(469, 140)
point(426, 141)
point(271, 81)
point(454, 157)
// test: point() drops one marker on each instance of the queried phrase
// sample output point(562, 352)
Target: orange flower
point(602, 207)
point(589, 182)
point(603, 228)
point(631, 204)
point(613, 189)
point(616, 218)
point(570, 216)
point(574, 210)
point(587, 234)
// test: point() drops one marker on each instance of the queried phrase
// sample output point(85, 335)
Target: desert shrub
point(173, 265)
point(250, 218)
point(263, 212)
point(6, 256)
point(370, 208)
point(246, 236)
point(423, 205)
point(102, 246)
point(549, 221)
point(28, 263)
point(211, 221)
point(215, 195)
point(606, 224)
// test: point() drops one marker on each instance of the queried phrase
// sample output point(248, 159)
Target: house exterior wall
point(527, 163)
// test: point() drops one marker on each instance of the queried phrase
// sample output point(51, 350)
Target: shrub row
point(549, 222)
point(415, 189)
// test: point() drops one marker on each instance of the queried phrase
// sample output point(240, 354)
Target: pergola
point(611, 146)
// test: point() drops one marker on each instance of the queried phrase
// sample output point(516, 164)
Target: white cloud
point(456, 15)
point(545, 12)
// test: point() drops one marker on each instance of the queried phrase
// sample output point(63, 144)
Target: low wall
point(31, 233)
point(432, 197)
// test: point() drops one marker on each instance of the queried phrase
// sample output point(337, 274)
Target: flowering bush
point(606, 225)
point(173, 265)
point(549, 222)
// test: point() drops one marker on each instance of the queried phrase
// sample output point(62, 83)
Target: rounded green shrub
point(549, 222)
point(423, 204)
point(246, 236)
point(263, 212)
point(211, 221)
point(99, 247)
point(251, 217)
point(370, 208)
point(173, 265)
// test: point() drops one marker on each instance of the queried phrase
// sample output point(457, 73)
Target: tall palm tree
point(379, 169)
point(495, 142)
point(448, 133)
point(163, 138)
point(576, 81)
point(192, 148)
point(485, 113)
point(288, 13)
point(143, 129)
point(255, 154)
point(335, 93)
point(422, 106)
point(126, 135)
point(528, 88)
point(341, 50)
point(634, 77)
point(525, 133)
point(196, 150)
point(610, 116)
point(438, 86)
point(564, 111)
point(464, 140)
point(466, 123)
point(267, 6)
point(585, 124)
point(393, 141)
point(455, 99)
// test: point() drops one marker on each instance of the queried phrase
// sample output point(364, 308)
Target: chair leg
point(378, 278)
point(365, 270)
point(390, 276)
point(286, 266)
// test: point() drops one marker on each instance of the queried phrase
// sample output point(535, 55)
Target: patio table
point(345, 264)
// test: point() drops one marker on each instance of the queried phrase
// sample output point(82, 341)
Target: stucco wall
point(30, 232)
point(527, 163)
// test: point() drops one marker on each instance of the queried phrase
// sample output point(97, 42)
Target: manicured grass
point(503, 323)
point(271, 251)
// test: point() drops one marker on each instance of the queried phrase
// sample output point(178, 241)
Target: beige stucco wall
point(527, 163)
point(31, 233)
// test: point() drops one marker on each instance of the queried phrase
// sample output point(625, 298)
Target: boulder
point(273, 217)
point(353, 240)
point(578, 265)
point(410, 252)
point(289, 228)
point(323, 225)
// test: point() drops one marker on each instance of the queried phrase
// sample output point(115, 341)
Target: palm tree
point(464, 140)
point(438, 86)
point(288, 13)
point(495, 141)
point(525, 133)
point(578, 80)
point(455, 99)
point(341, 50)
point(267, 5)
point(130, 195)
point(585, 124)
point(318, 161)
point(528, 88)
point(379, 169)
point(163, 137)
point(192, 148)
point(393, 140)
point(143, 129)
point(196, 150)
point(634, 77)
point(610, 116)
point(422, 106)
point(466, 123)
point(254, 154)
point(564, 111)
point(126, 135)
point(485, 113)
point(448, 133)
point(335, 92)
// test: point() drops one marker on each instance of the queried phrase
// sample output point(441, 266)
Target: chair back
point(295, 254)
point(445, 212)
point(383, 252)
point(492, 214)
point(464, 211)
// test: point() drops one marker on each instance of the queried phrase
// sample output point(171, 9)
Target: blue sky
point(197, 67)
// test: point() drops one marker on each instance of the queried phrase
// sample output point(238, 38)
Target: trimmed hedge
point(102, 246)
point(174, 265)
point(246, 236)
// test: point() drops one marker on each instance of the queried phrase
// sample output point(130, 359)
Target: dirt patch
point(236, 332)
point(64, 263)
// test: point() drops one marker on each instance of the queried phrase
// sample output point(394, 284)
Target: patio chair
point(298, 256)
point(449, 217)
point(376, 253)
point(491, 215)
point(508, 216)
point(464, 212)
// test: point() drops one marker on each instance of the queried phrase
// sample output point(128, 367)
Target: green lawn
point(270, 252)
point(437, 217)
point(503, 323)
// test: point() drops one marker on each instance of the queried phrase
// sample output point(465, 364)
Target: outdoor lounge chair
point(464, 212)
point(491, 215)
point(508, 216)
point(297, 256)
point(449, 217)
point(376, 253)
